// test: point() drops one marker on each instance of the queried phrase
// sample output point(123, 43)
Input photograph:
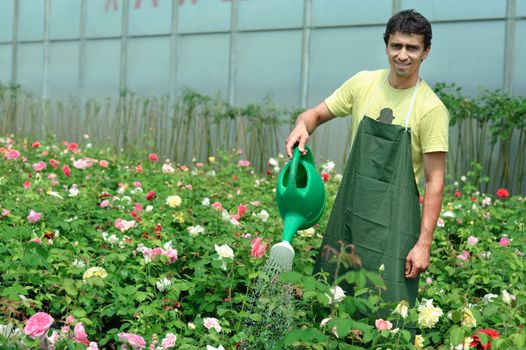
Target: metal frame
point(306, 28)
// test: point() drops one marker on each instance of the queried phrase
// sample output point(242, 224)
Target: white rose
point(224, 251)
point(337, 295)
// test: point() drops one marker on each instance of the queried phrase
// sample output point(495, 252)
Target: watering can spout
point(293, 222)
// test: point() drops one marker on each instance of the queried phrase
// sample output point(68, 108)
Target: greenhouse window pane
point(6, 20)
point(31, 20)
point(65, 19)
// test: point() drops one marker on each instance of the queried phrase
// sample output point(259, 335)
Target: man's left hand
point(417, 261)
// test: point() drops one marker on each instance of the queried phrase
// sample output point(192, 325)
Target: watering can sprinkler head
point(282, 255)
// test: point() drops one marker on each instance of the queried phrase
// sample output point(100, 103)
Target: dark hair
point(409, 22)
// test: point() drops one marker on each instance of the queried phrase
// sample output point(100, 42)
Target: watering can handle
point(294, 168)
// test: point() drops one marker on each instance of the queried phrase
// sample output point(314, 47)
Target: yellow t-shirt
point(429, 120)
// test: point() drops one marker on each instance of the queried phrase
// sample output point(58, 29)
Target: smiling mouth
point(402, 65)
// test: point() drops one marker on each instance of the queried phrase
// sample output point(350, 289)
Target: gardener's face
point(405, 53)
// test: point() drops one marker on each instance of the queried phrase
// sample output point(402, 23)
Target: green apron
point(377, 207)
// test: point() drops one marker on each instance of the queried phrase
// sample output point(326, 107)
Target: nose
point(402, 54)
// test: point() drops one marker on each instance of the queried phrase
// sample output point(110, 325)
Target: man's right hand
point(297, 137)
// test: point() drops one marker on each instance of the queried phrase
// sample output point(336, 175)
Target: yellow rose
point(468, 319)
point(95, 272)
point(419, 341)
point(173, 201)
point(402, 309)
point(429, 314)
point(179, 217)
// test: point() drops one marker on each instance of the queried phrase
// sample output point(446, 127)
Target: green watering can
point(300, 195)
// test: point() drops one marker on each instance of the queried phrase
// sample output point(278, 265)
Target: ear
point(426, 52)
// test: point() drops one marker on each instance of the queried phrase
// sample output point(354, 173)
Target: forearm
point(308, 119)
point(432, 205)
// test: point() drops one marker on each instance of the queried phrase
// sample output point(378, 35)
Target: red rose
point(66, 170)
point(493, 334)
point(73, 147)
point(153, 157)
point(53, 163)
point(502, 193)
point(458, 194)
point(325, 176)
point(35, 144)
point(150, 195)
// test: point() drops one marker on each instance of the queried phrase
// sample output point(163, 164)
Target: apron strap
point(411, 105)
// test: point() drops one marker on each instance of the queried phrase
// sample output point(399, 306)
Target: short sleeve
point(434, 130)
point(340, 103)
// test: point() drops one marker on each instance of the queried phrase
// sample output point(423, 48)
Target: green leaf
point(368, 336)
point(69, 287)
point(14, 291)
point(375, 279)
point(406, 335)
point(141, 296)
point(79, 313)
point(456, 316)
point(291, 277)
point(519, 339)
point(456, 335)
point(484, 338)
point(343, 326)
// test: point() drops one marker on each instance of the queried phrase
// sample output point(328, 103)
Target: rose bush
point(146, 253)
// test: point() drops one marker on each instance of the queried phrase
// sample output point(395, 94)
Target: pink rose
point(243, 163)
point(217, 206)
point(241, 210)
point(472, 240)
point(80, 334)
point(103, 163)
point(6, 212)
point(82, 163)
point(153, 157)
point(171, 254)
point(26, 184)
point(34, 216)
point(35, 144)
point(38, 325)
point(105, 203)
point(157, 251)
point(383, 325)
point(169, 341)
point(504, 241)
point(211, 322)
point(92, 346)
point(12, 154)
point(136, 341)
point(137, 184)
point(70, 319)
point(39, 166)
point(258, 248)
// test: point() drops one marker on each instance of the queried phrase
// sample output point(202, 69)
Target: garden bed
point(109, 250)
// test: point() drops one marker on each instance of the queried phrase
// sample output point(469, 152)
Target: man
point(400, 134)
